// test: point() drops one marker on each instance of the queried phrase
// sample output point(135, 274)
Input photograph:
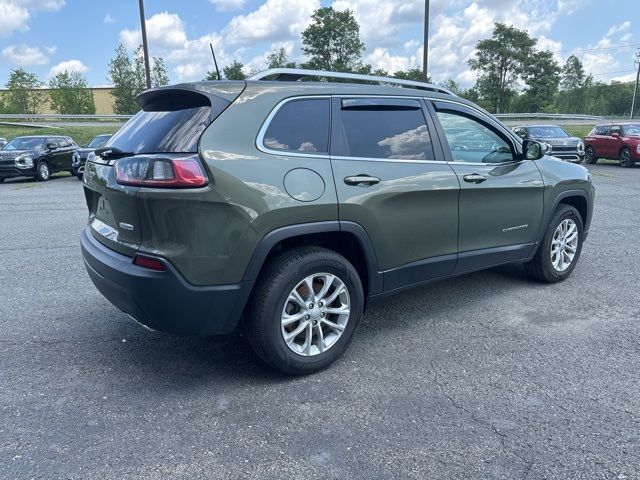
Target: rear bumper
point(163, 301)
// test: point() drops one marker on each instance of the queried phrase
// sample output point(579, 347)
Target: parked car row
point(609, 141)
point(39, 156)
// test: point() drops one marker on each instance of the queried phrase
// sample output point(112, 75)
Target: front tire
point(590, 156)
point(305, 309)
point(625, 158)
point(560, 249)
point(43, 173)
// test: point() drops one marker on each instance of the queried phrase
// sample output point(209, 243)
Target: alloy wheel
point(43, 169)
point(564, 245)
point(315, 314)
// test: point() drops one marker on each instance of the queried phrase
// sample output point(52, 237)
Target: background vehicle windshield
point(632, 130)
point(98, 141)
point(547, 132)
point(162, 132)
point(24, 144)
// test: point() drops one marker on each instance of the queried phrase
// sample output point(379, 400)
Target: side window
point(602, 130)
point(385, 128)
point(472, 142)
point(61, 142)
point(300, 126)
point(615, 129)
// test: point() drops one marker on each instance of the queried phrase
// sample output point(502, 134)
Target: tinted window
point(385, 131)
point(162, 131)
point(471, 141)
point(632, 130)
point(98, 141)
point(300, 126)
point(548, 132)
point(24, 143)
point(602, 130)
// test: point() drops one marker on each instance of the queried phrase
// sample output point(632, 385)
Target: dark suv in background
point(292, 204)
point(79, 158)
point(563, 145)
point(616, 142)
point(36, 156)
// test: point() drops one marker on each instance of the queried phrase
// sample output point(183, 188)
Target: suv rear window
point(176, 131)
point(300, 126)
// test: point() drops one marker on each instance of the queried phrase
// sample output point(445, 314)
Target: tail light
point(148, 262)
point(161, 172)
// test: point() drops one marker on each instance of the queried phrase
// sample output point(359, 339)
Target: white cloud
point(108, 19)
point(68, 66)
point(270, 23)
point(24, 55)
point(13, 18)
point(164, 31)
point(15, 14)
point(227, 5)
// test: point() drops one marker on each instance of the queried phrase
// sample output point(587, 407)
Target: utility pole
point(635, 89)
point(425, 55)
point(145, 47)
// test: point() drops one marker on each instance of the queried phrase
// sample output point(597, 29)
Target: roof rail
point(295, 74)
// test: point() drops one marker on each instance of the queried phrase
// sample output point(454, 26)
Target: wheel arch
point(346, 238)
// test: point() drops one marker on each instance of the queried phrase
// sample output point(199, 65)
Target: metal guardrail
point(52, 117)
point(549, 116)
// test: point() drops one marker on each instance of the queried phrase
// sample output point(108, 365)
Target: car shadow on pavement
point(185, 362)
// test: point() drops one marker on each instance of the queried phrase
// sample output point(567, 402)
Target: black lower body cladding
point(163, 300)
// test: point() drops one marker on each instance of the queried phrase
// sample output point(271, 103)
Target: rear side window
point(394, 129)
point(300, 126)
point(175, 131)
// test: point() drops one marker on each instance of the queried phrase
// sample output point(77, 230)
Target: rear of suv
point(291, 204)
point(615, 142)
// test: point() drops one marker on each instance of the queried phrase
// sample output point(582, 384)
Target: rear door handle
point(474, 178)
point(364, 180)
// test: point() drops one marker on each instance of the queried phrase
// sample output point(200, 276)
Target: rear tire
point(558, 255)
point(324, 330)
point(42, 172)
point(625, 158)
point(590, 156)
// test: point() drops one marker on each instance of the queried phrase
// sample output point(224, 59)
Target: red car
point(619, 141)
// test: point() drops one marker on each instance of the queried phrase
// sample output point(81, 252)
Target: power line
point(601, 49)
point(612, 73)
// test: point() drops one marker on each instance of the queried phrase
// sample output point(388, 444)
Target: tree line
point(68, 92)
point(513, 75)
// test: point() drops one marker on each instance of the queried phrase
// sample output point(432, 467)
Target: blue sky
point(46, 36)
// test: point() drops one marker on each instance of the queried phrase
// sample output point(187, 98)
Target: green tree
point(125, 85)
point(24, 94)
point(234, 71)
point(575, 85)
point(542, 76)
point(70, 94)
point(139, 71)
point(452, 86)
point(412, 74)
point(279, 59)
point(159, 75)
point(500, 61)
point(332, 41)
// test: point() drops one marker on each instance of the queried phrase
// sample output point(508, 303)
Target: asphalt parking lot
point(485, 376)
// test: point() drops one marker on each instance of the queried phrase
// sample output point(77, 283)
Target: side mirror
point(533, 150)
point(51, 146)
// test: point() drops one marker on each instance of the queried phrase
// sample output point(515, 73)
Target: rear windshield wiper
point(112, 152)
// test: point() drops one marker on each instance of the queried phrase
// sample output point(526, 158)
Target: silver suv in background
point(563, 145)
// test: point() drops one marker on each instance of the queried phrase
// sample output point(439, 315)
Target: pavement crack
point(502, 437)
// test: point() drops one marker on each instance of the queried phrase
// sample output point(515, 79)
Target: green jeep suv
point(285, 203)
